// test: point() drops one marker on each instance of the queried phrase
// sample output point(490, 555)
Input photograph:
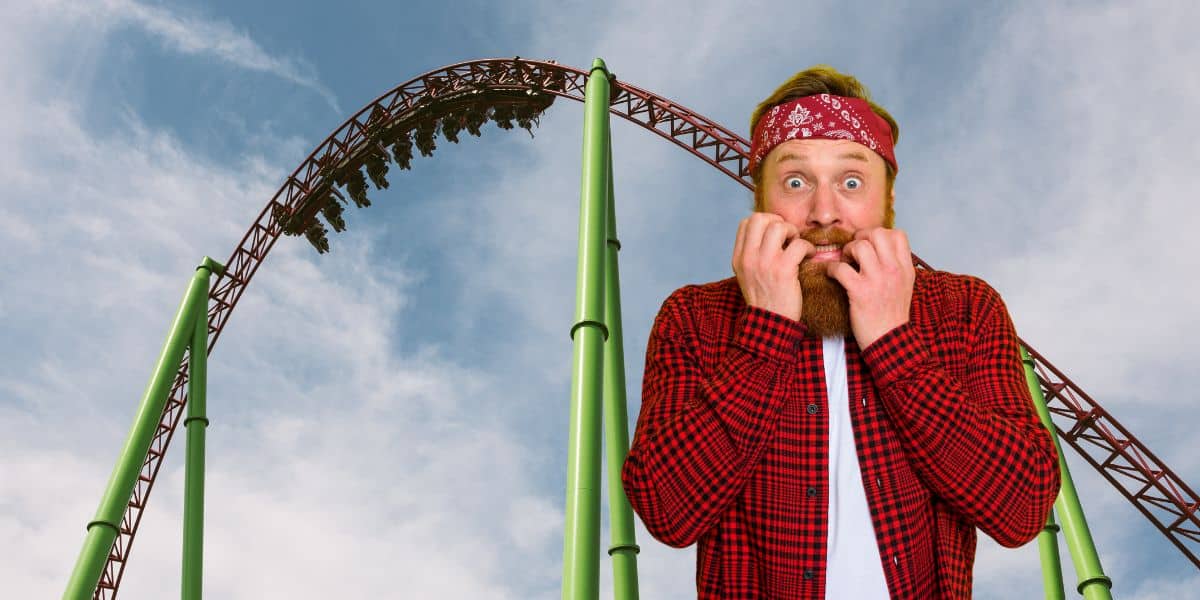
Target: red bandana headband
point(822, 116)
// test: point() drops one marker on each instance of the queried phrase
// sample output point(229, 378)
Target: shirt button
point(809, 574)
point(812, 492)
point(812, 409)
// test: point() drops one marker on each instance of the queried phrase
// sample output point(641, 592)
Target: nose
point(824, 211)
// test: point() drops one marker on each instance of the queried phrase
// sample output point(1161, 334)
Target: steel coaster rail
point(1152, 487)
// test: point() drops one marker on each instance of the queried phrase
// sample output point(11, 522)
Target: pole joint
point(213, 266)
point(1101, 579)
point(104, 523)
point(597, 324)
point(613, 549)
point(188, 421)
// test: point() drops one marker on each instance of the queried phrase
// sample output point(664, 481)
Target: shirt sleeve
point(699, 435)
point(976, 441)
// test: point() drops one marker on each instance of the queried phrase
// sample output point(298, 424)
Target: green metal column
point(624, 548)
point(196, 423)
point(581, 532)
point(1093, 583)
point(1052, 581)
point(102, 530)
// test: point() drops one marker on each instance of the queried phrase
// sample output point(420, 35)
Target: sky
point(389, 419)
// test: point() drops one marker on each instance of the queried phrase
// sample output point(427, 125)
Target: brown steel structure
point(515, 85)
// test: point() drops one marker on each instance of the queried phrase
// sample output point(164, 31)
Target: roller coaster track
point(465, 95)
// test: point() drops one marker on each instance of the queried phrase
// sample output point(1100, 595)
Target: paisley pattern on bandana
point(822, 116)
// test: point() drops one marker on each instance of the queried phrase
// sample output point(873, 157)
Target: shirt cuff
point(895, 356)
point(769, 334)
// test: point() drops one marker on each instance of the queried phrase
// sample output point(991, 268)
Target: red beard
point(825, 308)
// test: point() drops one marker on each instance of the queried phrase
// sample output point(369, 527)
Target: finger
point(755, 230)
point(798, 250)
point(865, 234)
point(773, 240)
point(751, 240)
point(739, 244)
point(845, 275)
point(885, 248)
point(903, 250)
point(862, 253)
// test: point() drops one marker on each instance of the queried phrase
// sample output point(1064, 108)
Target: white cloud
point(194, 34)
point(1167, 590)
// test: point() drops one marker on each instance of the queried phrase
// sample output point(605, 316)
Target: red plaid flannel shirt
point(731, 447)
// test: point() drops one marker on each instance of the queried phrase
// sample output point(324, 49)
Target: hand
point(767, 271)
point(881, 290)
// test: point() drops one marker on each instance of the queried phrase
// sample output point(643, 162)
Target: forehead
point(819, 150)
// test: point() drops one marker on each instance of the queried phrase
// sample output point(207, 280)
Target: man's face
point(829, 189)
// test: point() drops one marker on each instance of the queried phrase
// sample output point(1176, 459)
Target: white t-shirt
point(854, 569)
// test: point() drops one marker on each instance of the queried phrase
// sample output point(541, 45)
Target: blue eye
point(793, 183)
point(853, 182)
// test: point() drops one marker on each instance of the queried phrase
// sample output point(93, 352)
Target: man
point(830, 422)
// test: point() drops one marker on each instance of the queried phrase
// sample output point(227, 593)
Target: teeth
point(828, 248)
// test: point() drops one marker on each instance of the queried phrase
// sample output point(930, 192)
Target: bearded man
point(831, 422)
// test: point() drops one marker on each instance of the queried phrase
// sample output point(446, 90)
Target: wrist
point(871, 336)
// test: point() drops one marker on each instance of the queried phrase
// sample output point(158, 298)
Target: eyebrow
point(853, 155)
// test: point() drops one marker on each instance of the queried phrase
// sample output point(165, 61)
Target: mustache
point(827, 236)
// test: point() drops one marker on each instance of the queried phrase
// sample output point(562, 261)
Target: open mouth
point(827, 252)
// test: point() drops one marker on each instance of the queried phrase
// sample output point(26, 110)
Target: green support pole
point(195, 423)
point(102, 530)
point(624, 548)
point(1093, 583)
point(581, 529)
point(1052, 580)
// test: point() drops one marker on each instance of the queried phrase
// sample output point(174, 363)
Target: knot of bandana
point(822, 116)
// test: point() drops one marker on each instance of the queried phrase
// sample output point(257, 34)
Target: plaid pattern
point(731, 443)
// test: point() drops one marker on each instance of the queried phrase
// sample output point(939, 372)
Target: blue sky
point(391, 416)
